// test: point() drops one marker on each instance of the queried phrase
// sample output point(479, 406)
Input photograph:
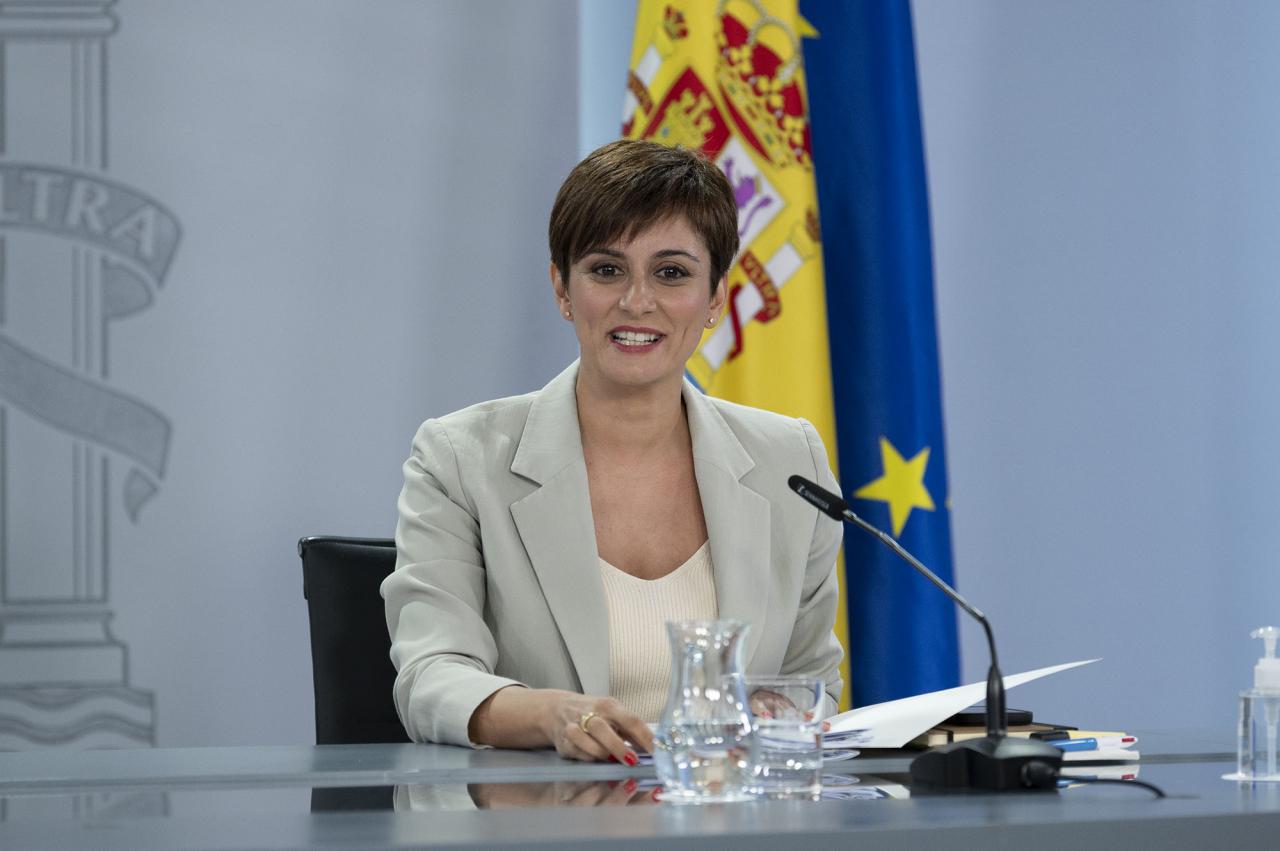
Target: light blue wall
point(1104, 199)
point(604, 52)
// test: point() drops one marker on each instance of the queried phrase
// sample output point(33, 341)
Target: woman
point(545, 539)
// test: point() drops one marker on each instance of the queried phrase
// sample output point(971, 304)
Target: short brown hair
point(626, 186)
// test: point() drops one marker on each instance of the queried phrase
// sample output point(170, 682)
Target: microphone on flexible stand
point(995, 762)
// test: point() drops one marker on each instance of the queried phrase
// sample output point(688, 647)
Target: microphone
point(996, 762)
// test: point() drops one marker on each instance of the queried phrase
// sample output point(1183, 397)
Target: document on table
point(896, 722)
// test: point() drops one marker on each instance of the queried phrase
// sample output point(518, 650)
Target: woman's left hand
point(770, 704)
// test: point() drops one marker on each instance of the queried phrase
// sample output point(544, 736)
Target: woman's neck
point(631, 421)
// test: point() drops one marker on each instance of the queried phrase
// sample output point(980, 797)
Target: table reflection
point(506, 796)
point(608, 793)
point(611, 793)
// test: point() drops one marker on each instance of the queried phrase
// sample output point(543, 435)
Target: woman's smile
point(636, 340)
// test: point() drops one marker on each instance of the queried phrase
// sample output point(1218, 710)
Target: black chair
point(351, 666)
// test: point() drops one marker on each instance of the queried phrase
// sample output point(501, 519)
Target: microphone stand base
point(988, 764)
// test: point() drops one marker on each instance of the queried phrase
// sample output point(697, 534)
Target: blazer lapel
point(557, 529)
point(737, 518)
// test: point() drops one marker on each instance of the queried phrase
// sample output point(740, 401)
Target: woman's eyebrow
point(666, 252)
point(676, 252)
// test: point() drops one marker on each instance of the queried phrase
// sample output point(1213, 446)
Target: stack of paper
point(896, 722)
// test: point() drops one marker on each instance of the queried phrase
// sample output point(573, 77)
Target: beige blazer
point(496, 580)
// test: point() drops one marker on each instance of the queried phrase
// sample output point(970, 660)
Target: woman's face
point(639, 307)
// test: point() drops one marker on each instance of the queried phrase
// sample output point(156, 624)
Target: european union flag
point(873, 205)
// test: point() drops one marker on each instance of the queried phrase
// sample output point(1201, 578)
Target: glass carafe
point(705, 746)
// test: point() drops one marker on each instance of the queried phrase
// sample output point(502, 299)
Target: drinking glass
point(787, 714)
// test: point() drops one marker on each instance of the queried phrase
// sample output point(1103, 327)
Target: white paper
point(893, 724)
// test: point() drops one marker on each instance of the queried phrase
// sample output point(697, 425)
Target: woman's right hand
point(590, 728)
point(578, 726)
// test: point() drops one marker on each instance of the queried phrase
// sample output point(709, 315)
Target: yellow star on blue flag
point(901, 486)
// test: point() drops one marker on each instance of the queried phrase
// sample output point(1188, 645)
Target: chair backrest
point(350, 649)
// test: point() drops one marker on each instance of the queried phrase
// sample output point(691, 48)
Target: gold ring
point(586, 719)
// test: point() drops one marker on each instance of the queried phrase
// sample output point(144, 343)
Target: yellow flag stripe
point(728, 78)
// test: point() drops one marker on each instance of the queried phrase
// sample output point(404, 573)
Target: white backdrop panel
point(363, 190)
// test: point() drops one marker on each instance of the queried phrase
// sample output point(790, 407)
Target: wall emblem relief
point(79, 253)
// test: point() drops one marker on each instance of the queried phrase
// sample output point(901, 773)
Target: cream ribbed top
point(639, 651)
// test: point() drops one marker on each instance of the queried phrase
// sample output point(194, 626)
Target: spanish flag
point(729, 79)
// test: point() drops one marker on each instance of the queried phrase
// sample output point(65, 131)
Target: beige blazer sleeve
point(814, 649)
point(442, 648)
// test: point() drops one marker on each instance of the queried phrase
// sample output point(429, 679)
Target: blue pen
point(1076, 744)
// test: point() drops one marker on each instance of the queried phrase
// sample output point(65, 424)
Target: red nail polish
point(630, 786)
point(631, 758)
point(612, 758)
